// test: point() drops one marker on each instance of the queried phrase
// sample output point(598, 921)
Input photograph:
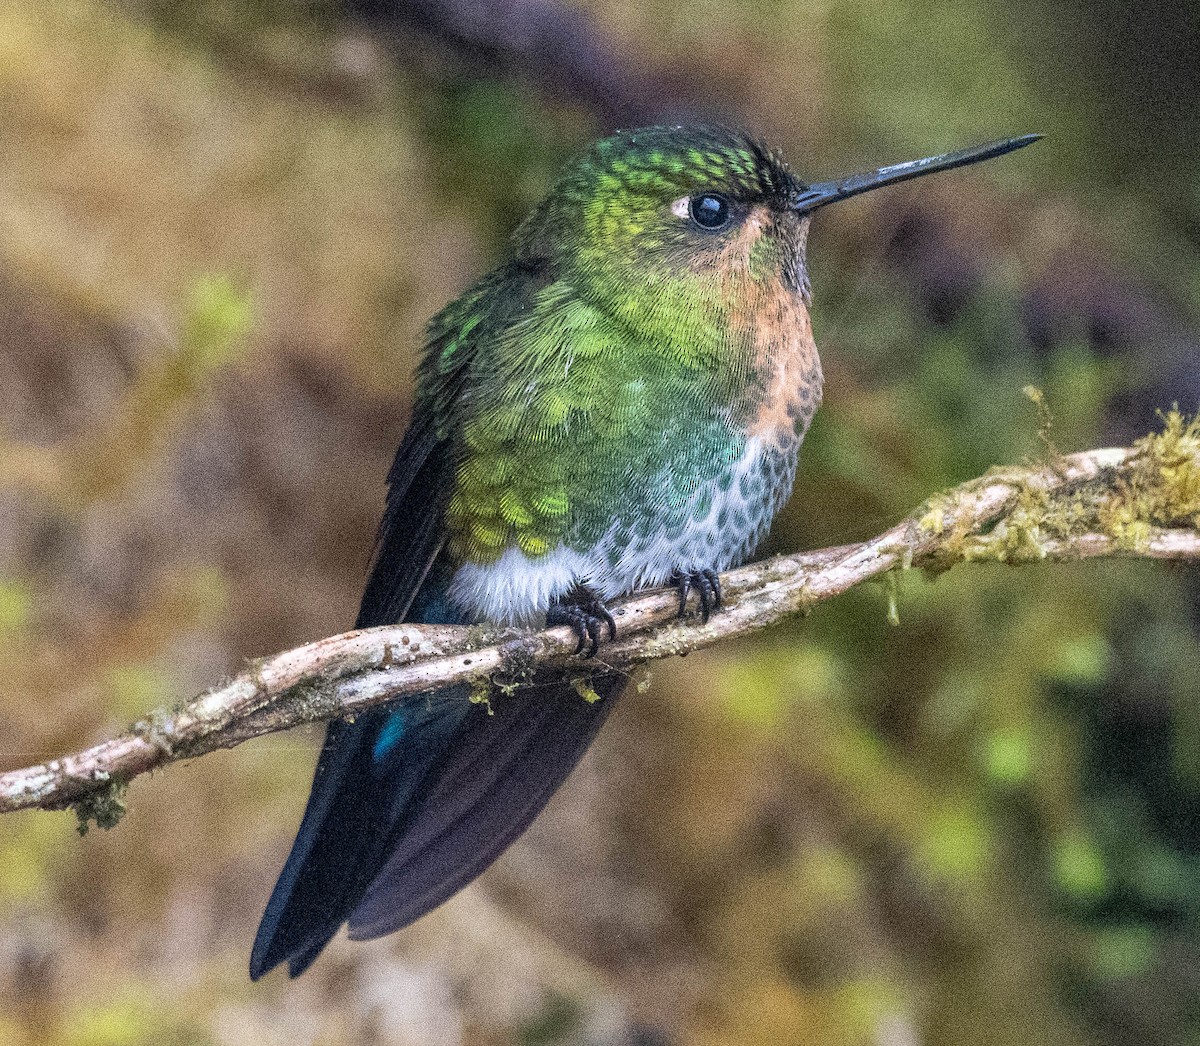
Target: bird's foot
point(707, 585)
point(582, 610)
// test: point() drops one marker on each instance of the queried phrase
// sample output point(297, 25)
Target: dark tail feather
point(359, 791)
point(501, 771)
point(409, 804)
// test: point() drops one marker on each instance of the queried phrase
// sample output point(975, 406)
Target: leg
point(706, 583)
point(585, 613)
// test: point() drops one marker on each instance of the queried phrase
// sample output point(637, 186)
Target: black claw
point(608, 619)
point(684, 583)
point(708, 588)
point(593, 631)
point(579, 622)
point(584, 614)
point(714, 579)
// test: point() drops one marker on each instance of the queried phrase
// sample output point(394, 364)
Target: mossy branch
point(1142, 501)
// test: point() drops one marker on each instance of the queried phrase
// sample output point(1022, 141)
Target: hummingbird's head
point(684, 208)
point(662, 222)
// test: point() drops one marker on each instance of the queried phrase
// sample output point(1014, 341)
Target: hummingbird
point(617, 405)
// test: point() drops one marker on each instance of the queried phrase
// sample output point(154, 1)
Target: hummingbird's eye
point(709, 211)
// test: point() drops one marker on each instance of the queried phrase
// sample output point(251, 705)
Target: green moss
point(104, 805)
point(1161, 486)
point(481, 694)
point(583, 687)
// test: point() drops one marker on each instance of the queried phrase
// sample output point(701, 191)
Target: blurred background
point(222, 226)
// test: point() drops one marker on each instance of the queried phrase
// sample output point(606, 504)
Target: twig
point(1081, 506)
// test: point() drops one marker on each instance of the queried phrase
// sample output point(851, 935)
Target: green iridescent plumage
point(608, 352)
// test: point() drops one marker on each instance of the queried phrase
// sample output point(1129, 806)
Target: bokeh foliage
point(223, 224)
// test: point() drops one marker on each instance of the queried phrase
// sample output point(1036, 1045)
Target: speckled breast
point(736, 496)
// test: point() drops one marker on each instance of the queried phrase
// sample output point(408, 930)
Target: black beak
point(806, 198)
